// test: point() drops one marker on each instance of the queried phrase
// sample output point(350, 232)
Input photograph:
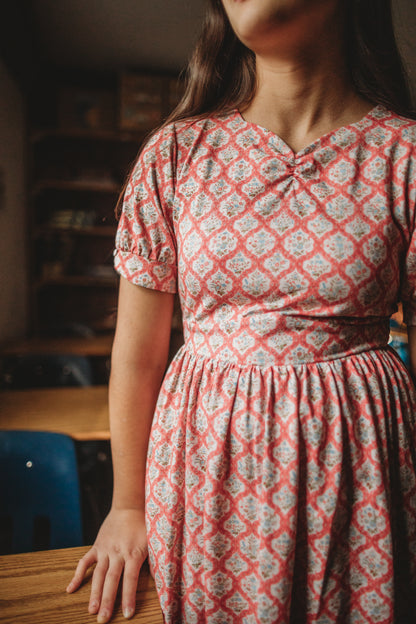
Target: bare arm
point(139, 360)
point(138, 364)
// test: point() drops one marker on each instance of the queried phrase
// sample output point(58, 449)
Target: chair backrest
point(46, 370)
point(40, 506)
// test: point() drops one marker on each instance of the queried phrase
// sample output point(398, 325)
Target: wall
point(405, 22)
point(13, 285)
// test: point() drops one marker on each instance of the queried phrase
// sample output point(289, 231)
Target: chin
point(254, 21)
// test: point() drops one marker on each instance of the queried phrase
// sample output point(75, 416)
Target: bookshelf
point(85, 131)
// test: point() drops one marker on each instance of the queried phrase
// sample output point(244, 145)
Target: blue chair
point(40, 501)
point(399, 342)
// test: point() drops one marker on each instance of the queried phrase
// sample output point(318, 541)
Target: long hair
point(221, 74)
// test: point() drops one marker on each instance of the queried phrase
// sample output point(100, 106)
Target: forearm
point(133, 394)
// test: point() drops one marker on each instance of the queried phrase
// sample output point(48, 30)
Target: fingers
point(97, 584)
point(130, 579)
point(109, 588)
point(106, 580)
point(83, 564)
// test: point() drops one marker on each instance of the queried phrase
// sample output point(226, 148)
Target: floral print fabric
point(281, 476)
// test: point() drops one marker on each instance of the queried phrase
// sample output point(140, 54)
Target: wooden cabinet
point(85, 133)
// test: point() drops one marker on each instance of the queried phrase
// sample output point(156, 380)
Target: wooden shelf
point(99, 346)
point(83, 281)
point(96, 230)
point(76, 185)
point(43, 134)
point(76, 176)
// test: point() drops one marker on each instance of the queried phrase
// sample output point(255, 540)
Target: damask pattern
point(281, 478)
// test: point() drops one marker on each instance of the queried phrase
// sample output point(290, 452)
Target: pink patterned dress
point(281, 479)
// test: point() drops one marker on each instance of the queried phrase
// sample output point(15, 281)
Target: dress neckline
point(286, 150)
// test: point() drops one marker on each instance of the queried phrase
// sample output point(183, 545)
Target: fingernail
point(93, 607)
point(128, 612)
point(69, 587)
point(103, 617)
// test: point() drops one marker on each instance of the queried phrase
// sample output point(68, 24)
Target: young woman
point(279, 201)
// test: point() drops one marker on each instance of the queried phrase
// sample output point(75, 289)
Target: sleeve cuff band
point(144, 272)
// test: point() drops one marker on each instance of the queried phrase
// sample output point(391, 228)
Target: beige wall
point(13, 287)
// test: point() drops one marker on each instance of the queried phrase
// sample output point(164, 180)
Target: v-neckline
point(286, 150)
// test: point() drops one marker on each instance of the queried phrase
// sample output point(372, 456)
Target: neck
point(306, 92)
point(306, 86)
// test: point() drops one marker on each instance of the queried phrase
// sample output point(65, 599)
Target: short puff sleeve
point(145, 248)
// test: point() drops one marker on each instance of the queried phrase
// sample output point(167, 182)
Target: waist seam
point(187, 348)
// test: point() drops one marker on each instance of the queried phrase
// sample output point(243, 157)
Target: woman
point(280, 201)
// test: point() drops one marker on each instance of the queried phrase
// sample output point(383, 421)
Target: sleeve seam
point(135, 254)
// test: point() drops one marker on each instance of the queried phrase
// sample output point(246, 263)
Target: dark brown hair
point(221, 74)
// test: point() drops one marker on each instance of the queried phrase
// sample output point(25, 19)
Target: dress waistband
point(303, 343)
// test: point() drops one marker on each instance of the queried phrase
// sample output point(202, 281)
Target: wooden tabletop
point(95, 346)
point(32, 591)
point(79, 412)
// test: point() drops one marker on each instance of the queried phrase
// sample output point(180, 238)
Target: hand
point(121, 545)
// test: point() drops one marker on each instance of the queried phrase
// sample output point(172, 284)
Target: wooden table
point(32, 591)
point(81, 413)
point(97, 346)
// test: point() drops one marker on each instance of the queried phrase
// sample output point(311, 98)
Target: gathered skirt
point(284, 494)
